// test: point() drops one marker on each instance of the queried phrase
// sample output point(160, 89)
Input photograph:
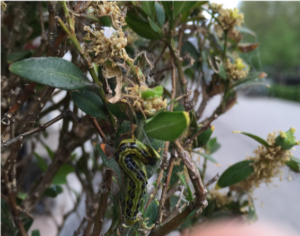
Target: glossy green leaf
point(256, 138)
point(181, 7)
point(149, 8)
point(155, 27)
point(138, 25)
point(105, 21)
point(119, 110)
point(212, 146)
point(89, 102)
point(293, 165)
point(61, 175)
point(158, 147)
point(35, 232)
point(188, 47)
point(53, 191)
point(167, 126)
point(51, 71)
point(124, 128)
point(160, 15)
point(235, 174)
point(111, 164)
point(167, 7)
point(42, 164)
point(116, 211)
point(16, 56)
point(152, 212)
point(202, 138)
point(295, 159)
point(208, 157)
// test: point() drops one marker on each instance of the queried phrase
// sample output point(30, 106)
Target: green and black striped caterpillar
point(133, 156)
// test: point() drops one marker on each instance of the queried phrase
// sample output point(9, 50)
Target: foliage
point(275, 25)
point(128, 87)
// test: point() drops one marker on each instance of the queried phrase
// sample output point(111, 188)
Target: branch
point(104, 190)
point(165, 187)
point(173, 77)
point(63, 115)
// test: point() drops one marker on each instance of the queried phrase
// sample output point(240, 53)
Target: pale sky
point(227, 4)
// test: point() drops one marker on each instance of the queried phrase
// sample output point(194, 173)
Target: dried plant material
point(105, 49)
point(268, 162)
point(228, 18)
point(111, 72)
point(3, 6)
point(236, 71)
point(103, 8)
point(145, 100)
point(247, 47)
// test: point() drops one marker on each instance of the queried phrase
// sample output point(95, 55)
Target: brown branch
point(214, 179)
point(11, 190)
point(165, 187)
point(63, 115)
point(52, 24)
point(78, 231)
point(203, 128)
point(94, 122)
point(163, 167)
point(160, 55)
point(43, 40)
point(104, 191)
point(173, 77)
point(82, 131)
point(199, 202)
point(173, 190)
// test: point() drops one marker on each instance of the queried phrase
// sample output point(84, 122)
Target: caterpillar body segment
point(133, 156)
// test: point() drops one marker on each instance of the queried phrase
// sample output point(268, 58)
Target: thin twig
point(94, 122)
point(160, 55)
point(173, 77)
point(165, 187)
point(203, 128)
point(104, 190)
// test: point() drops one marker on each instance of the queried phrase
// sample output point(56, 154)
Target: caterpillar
point(133, 156)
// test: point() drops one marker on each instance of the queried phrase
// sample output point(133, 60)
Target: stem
point(225, 43)
point(91, 69)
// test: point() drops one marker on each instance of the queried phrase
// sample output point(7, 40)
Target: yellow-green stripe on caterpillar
point(133, 156)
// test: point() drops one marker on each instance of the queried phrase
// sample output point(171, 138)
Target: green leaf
point(16, 56)
point(49, 151)
point(188, 47)
point(41, 162)
point(35, 232)
point(138, 25)
point(152, 212)
point(89, 102)
point(53, 191)
point(111, 164)
point(51, 71)
point(293, 165)
point(116, 211)
point(105, 21)
point(208, 157)
point(181, 7)
point(124, 128)
point(149, 8)
point(222, 72)
point(61, 175)
point(295, 159)
point(235, 174)
point(256, 138)
point(119, 110)
point(190, 194)
point(168, 126)
point(155, 27)
point(202, 138)
point(160, 15)
point(212, 146)
point(167, 6)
